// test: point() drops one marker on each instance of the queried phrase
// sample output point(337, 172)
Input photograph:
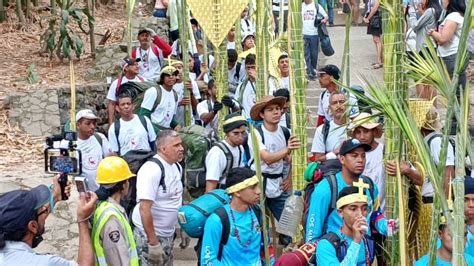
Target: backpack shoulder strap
point(228, 156)
point(260, 131)
point(134, 53)
point(158, 98)
point(143, 121)
point(369, 181)
point(117, 89)
point(162, 168)
point(325, 131)
point(237, 70)
point(258, 212)
point(222, 214)
point(334, 191)
point(432, 137)
point(287, 133)
point(335, 241)
point(99, 139)
point(117, 132)
point(141, 78)
point(243, 85)
point(157, 52)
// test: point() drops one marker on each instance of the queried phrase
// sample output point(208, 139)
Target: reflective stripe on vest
point(102, 214)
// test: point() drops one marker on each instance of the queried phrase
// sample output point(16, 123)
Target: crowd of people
point(345, 222)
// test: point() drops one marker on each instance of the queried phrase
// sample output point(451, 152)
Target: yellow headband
point(242, 185)
point(234, 119)
point(351, 198)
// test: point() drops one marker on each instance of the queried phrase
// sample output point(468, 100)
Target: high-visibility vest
point(102, 214)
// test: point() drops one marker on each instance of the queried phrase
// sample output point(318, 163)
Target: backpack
point(136, 90)
point(135, 160)
point(330, 176)
point(242, 89)
point(117, 132)
point(119, 84)
point(197, 141)
point(451, 140)
point(238, 66)
point(286, 133)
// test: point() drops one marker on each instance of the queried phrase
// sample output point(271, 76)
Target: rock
point(32, 128)
point(8, 186)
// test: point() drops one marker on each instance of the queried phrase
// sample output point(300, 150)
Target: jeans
point(159, 13)
point(276, 205)
point(328, 5)
point(311, 48)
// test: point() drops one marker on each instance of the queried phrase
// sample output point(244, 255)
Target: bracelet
point(85, 219)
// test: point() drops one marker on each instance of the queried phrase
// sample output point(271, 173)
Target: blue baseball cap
point(18, 207)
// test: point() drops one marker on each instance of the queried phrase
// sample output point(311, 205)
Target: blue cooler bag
point(193, 216)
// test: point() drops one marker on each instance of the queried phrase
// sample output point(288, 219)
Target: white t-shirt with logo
point(132, 135)
point(113, 87)
point(451, 47)
point(274, 142)
point(233, 80)
point(150, 64)
point(166, 109)
point(308, 11)
point(216, 162)
point(275, 84)
point(249, 97)
point(435, 150)
point(164, 209)
point(374, 168)
point(323, 106)
point(179, 88)
point(336, 135)
point(203, 108)
point(92, 153)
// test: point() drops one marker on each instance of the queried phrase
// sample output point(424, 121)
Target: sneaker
point(331, 24)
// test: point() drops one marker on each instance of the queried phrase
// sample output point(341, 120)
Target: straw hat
point(366, 120)
point(264, 102)
point(432, 121)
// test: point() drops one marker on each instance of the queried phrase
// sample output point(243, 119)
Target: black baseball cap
point(18, 207)
point(331, 70)
point(352, 144)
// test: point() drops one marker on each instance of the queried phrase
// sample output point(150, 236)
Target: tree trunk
point(91, 7)
point(19, 12)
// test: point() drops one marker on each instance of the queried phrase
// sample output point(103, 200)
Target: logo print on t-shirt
point(92, 161)
point(133, 142)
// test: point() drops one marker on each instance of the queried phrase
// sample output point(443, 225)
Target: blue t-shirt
point(318, 211)
point(423, 261)
point(355, 254)
point(233, 253)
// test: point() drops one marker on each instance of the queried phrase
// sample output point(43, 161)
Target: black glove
point(217, 107)
point(227, 101)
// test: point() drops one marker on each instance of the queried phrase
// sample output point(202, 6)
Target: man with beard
point(151, 53)
point(327, 77)
point(322, 213)
point(159, 193)
point(130, 73)
point(283, 82)
point(23, 215)
point(329, 136)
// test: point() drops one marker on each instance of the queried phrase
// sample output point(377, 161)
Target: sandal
point(377, 66)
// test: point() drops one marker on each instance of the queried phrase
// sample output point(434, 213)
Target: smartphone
point(81, 184)
point(60, 161)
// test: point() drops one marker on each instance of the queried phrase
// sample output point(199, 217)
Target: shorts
point(166, 244)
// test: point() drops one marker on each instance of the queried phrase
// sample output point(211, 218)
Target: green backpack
point(197, 141)
point(136, 90)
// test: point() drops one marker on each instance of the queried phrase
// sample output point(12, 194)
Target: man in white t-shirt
point(208, 110)
point(366, 129)
point(236, 72)
point(93, 146)
point(131, 132)
point(327, 75)
point(180, 86)
point(161, 110)
point(310, 35)
point(275, 146)
point(245, 93)
point(151, 53)
point(329, 136)
point(285, 120)
point(282, 82)
point(434, 138)
point(226, 154)
point(159, 193)
point(130, 73)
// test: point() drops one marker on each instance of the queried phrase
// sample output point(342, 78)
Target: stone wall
point(44, 111)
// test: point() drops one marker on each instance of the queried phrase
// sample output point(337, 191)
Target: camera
point(62, 160)
point(81, 184)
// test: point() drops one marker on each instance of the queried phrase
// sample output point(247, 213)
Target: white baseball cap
point(86, 113)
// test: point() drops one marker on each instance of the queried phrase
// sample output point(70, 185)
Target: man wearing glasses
point(23, 215)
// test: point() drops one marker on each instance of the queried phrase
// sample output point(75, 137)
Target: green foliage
point(61, 38)
point(32, 74)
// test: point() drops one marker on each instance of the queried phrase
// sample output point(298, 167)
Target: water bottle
point(290, 218)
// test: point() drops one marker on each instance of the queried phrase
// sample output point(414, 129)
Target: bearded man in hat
point(244, 242)
point(23, 215)
point(355, 247)
point(217, 165)
point(162, 113)
point(151, 53)
point(130, 73)
point(275, 147)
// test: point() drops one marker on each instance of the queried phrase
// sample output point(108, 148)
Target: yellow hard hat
point(113, 169)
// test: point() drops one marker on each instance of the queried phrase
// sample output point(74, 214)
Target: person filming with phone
point(112, 236)
point(23, 215)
